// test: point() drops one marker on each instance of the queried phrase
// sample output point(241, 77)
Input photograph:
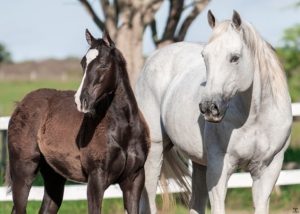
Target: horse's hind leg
point(132, 189)
point(23, 169)
point(263, 185)
point(54, 188)
point(199, 190)
point(152, 171)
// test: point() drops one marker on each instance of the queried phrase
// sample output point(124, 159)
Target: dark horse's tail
point(7, 178)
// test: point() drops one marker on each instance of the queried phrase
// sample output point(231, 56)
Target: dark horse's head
point(100, 75)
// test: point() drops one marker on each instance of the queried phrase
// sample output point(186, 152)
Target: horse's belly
point(191, 145)
point(181, 115)
point(67, 164)
point(64, 157)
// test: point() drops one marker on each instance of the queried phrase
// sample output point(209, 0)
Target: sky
point(37, 30)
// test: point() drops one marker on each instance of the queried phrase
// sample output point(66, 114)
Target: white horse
point(240, 89)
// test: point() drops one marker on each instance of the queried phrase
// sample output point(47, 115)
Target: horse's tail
point(175, 167)
point(7, 180)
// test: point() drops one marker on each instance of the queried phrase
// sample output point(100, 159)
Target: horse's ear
point(211, 19)
point(106, 38)
point(89, 37)
point(236, 20)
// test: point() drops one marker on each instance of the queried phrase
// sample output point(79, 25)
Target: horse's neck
point(124, 98)
point(258, 99)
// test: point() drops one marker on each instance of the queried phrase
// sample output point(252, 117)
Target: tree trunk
point(129, 40)
point(132, 49)
point(134, 16)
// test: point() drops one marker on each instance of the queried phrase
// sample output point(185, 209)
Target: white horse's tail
point(175, 169)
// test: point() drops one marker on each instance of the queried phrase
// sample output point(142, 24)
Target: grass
point(282, 198)
point(109, 206)
point(237, 201)
point(13, 91)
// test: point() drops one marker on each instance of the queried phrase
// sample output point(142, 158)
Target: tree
point(4, 54)
point(126, 21)
point(290, 55)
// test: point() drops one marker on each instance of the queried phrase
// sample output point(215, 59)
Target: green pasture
point(110, 206)
point(13, 91)
point(283, 200)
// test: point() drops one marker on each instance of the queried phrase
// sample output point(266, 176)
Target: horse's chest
point(255, 146)
point(114, 151)
point(248, 143)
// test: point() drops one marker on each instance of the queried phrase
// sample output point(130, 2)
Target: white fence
point(78, 192)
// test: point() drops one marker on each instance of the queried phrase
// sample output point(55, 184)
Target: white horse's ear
point(89, 37)
point(106, 38)
point(211, 19)
point(236, 20)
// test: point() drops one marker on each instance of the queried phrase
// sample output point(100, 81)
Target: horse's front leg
point(263, 184)
point(132, 189)
point(219, 169)
point(199, 190)
point(95, 191)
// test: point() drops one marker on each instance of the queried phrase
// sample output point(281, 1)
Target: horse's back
point(164, 64)
point(160, 69)
point(28, 115)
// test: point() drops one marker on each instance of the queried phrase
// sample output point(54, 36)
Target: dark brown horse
point(103, 143)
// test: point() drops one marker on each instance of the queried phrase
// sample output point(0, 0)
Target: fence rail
point(78, 192)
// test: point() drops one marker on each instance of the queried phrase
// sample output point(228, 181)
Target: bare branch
point(117, 11)
point(198, 8)
point(191, 4)
point(149, 11)
point(92, 13)
point(110, 15)
point(105, 7)
point(176, 7)
point(154, 32)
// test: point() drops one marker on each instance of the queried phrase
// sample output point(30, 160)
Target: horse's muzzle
point(86, 103)
point(213, 111)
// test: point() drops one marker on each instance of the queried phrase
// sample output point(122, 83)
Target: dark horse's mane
point(123, 73)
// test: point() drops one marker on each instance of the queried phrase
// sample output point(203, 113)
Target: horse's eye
point(234, 59)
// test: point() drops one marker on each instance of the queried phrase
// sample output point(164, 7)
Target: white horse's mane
point(266, 60)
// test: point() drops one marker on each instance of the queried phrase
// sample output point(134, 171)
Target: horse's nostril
point(84, 103)
point(214, 109)
point(202, 109)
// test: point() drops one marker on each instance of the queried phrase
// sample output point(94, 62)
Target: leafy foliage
point(4, 54)
point(290, 56)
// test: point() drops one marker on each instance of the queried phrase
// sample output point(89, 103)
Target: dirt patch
point(50, 69)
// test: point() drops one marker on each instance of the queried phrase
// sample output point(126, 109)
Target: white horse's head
point(229, 66)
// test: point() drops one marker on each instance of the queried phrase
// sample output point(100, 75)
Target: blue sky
point(35, 29)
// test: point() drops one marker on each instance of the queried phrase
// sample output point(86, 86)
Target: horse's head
point(100, 78)
point(228, 64)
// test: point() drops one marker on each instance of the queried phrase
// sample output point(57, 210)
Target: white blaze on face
point(90, 56)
